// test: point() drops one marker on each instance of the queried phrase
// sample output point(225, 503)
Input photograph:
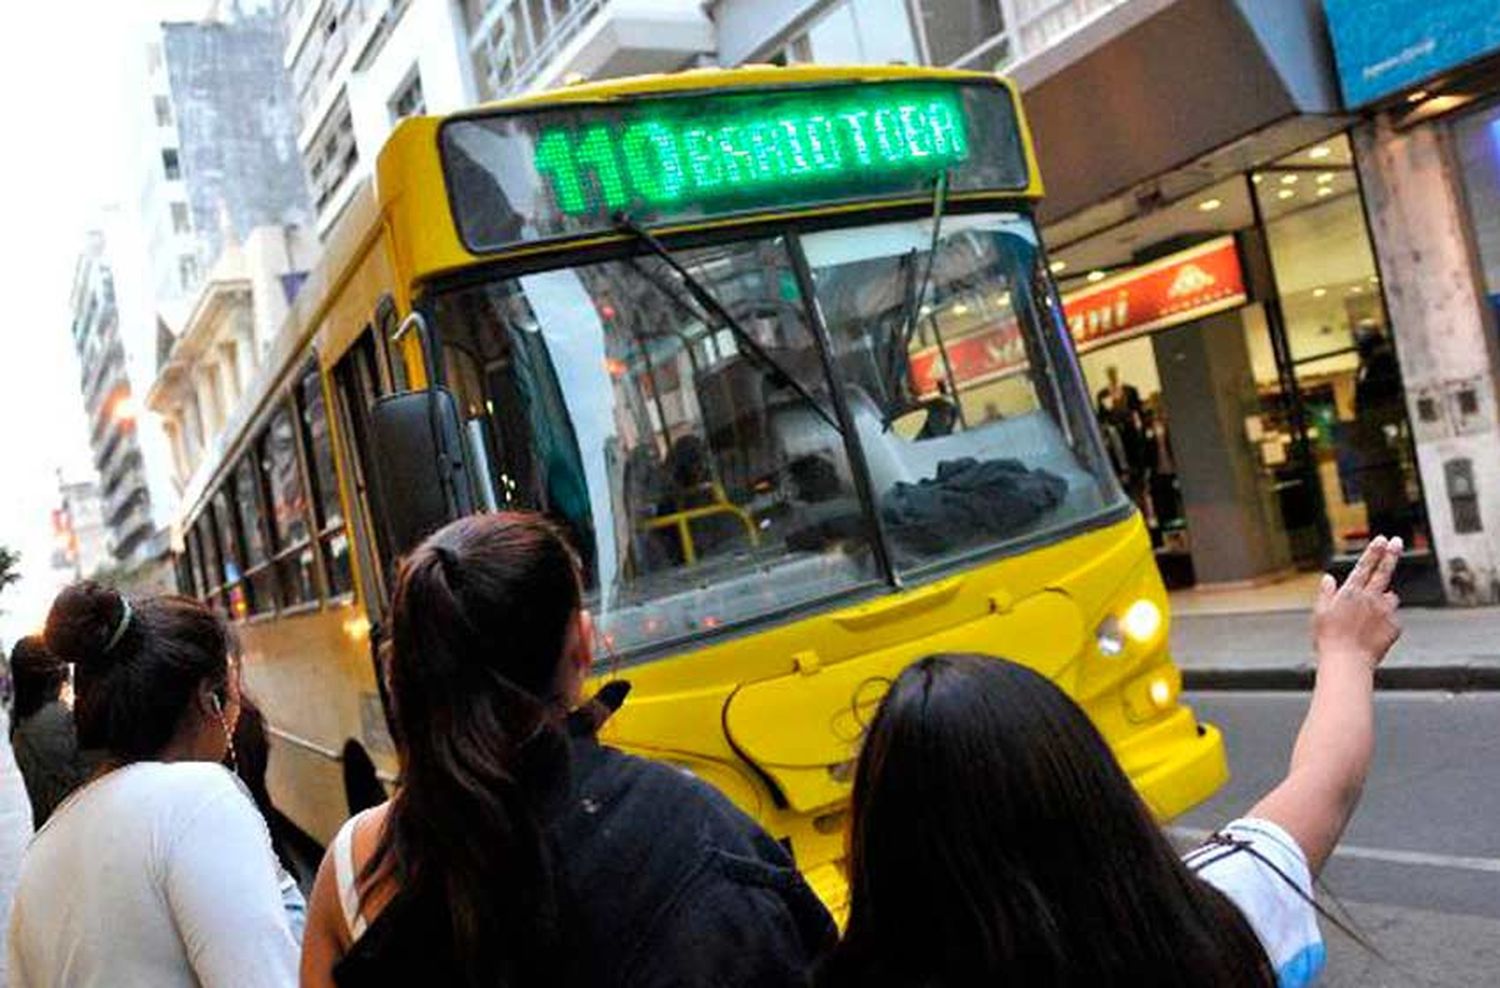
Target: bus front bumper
point(1192, 773)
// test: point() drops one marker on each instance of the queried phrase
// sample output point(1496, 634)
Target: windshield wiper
point(915, 292)
point(706, 299)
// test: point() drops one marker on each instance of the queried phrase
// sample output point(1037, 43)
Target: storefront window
point(1343, 355)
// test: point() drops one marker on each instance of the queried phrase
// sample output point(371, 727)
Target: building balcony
point(595, 39)
point(128, 495)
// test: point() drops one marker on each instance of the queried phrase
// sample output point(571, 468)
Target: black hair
point(38, 677)
point(480, 621)
point(139, 665)
point(995, 840)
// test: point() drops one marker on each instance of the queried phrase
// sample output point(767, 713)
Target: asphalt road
point(1418, 871)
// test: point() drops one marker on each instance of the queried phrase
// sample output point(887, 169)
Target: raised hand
point(1357, 621)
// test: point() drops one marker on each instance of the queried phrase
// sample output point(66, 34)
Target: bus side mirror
point(420, 476)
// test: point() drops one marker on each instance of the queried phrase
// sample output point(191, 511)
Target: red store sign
point(1170, 291)
point(1167, 292)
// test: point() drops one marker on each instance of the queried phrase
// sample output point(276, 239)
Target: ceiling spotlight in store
point(1290, 179)
point(926, 310)
point(1374, 279)
point(1256, 178)
point(1417, 96)
point(1319, 152)
point(1058, 267)
point(1325, 177)
point(1319, 292)
point(1003, 300)
point(1096, 276)
point(1209, 205)
point(960, 309)
point(1285, 193)
point(1356, 290)
point(1325, 191)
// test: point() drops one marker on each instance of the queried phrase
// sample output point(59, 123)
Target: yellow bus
point(779, 349)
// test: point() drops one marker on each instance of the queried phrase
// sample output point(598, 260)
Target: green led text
point(608, 166)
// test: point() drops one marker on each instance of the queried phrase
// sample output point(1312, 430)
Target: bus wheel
point(362, 788)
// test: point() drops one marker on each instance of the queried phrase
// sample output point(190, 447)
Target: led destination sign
point(563, 171)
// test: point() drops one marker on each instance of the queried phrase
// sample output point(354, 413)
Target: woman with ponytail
point(517, 851)
point(158, 871)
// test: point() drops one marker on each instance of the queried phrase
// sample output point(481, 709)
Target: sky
point(60, 167)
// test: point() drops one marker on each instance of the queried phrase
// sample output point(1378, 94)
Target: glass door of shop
point(1337, 405)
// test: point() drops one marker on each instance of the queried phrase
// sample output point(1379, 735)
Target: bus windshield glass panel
point(570, 171)
point(974, 424)
point(700, 487)
point(698, 463)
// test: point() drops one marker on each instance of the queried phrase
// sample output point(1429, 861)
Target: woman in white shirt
point(995, 839)
point(159, 871)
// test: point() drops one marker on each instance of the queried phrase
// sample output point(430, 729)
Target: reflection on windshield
point(700, 486)
point(973, 426)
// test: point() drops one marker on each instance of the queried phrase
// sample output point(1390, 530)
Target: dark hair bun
point(83, 619)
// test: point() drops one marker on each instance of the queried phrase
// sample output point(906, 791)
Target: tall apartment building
point(82, 541)
point(113, 411)
point(211, 157)
point(356, 67)
point(217, 150)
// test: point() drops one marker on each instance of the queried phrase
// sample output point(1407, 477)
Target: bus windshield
point(704, 477)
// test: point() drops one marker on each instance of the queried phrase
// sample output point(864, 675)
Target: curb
point(1442, 678)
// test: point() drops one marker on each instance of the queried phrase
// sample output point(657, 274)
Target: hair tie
point(126, 613)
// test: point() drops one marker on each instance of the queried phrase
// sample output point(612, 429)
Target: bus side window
point(213, 562)
point(323, 480)
point(232, 554)
point(291, 536)
point(357, 381)
point(259, 577)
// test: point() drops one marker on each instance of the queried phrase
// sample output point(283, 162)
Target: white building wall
point(428, 40)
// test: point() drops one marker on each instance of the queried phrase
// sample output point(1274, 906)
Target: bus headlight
point(1111, 637)
point(1141, 621)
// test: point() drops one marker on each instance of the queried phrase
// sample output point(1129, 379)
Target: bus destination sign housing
point(572, 170)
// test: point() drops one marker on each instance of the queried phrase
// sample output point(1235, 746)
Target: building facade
point(113, 411)
point(240, 307)
point(82, 540)
point(210, 156)
point(356, 68)
point(1423, 80)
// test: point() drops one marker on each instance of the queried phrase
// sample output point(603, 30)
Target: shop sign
point(1170, 291)
point(1386, 46)
point(972, 359)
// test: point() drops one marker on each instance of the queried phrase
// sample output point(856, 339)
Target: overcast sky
point(59, 167)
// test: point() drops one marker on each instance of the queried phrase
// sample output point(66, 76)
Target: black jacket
point(668, 883)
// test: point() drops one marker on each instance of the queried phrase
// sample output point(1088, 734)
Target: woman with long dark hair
point(996, 841)
point(158, 870)
point(518, 851)
point(42, 734)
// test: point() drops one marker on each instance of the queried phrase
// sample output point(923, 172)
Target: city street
point(1419, 868)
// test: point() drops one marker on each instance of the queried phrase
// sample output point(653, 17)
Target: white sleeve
point(15, 965)
point(222, 887)
point(1262, 870)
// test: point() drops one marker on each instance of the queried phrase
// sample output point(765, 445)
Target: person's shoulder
point(681, 798)
point(180, 787)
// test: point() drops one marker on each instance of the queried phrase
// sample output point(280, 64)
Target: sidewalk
point(15, 832)
point(1440, 649)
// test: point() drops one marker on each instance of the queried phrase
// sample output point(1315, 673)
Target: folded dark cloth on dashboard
point(968, 500)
